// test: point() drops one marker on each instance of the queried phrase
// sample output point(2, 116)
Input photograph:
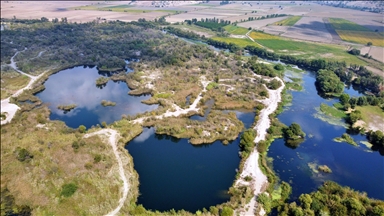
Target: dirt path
point(6, 106)
point(113, 135)
point(178, 110)
point(251, 166)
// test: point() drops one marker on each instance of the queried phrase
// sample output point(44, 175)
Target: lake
point(176, 174)
point(78, 86)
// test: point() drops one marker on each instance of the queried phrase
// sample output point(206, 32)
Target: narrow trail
point(8, 107)
point(113, 135)
point(251, 165)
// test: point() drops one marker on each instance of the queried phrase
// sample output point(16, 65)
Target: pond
point(356, 167)
point(176, 174)
point(78, 86)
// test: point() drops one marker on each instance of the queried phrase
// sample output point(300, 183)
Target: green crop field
point(342, 24)
point(288, 22)
point(352, 32)
point(236, 30)
point(304, 49)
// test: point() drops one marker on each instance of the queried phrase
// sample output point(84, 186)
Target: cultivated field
point(304, 49)
point(51, 10)
point(350, 31)
point(288, 22)
point(309, 28)
point(257, 24)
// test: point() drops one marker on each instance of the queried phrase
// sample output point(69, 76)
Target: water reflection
point(351, 166)
point(77, 86)
point(175, 174)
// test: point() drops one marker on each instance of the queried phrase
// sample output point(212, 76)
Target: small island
point(293, 135)
point(102, 81)
point(324, 168)
point(345, 138)
point(107, 103)
point(67, 108)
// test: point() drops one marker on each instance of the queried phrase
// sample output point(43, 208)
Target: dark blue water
point(78, 86)
point(175, 174)
point(356, 167)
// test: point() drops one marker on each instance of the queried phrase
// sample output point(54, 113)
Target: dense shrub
point(68, 190)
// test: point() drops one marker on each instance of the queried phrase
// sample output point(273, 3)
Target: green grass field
point(332, 111)
point(195, 29)
point(288, 22)
point(242, 42)
point(236, 30)
point(352, 32)
point(371, 113)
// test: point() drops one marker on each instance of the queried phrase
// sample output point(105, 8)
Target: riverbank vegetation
point(333, 199)
point(346, 138)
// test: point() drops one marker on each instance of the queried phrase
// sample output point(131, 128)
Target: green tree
point(82, 129)
point(369, 43)
point(214, 210)
point(344, 98)
point(305, 200)
point(226, 211)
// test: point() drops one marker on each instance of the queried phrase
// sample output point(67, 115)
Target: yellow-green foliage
point(361, 37)
point(261, 36)
point(212, 85)
point(163, 95)
point(288, 22)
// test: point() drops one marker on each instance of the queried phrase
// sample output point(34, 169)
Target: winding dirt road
point(8, 107)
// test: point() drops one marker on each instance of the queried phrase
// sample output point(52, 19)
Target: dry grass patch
point(60, 156)
point(11, 81)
